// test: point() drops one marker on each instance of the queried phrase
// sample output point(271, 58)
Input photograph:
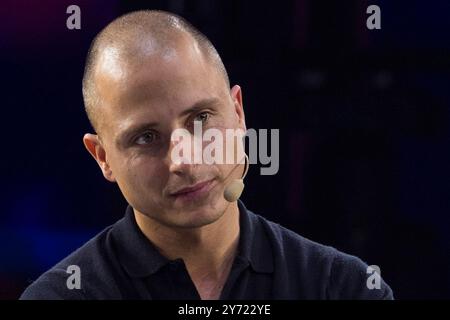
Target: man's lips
point(192, 189)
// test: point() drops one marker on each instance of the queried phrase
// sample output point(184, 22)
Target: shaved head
point(148, 74)
point(131, 39)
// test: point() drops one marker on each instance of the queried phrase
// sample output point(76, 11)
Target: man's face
point(142, 103)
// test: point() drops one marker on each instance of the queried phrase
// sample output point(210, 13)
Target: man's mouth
point(194, 191)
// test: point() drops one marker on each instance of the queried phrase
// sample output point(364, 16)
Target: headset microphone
point(234, 190)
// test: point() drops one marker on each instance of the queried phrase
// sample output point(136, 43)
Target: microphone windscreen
point(234, 190)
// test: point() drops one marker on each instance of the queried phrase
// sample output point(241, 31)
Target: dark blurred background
point(364, 119)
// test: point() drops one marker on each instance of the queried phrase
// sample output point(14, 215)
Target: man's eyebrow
point(135, 129)
point(200, 105)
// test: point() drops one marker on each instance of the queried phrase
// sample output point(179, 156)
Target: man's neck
point(207, 251)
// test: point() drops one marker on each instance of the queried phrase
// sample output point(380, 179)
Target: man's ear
point(236, 96)
point(95, 148)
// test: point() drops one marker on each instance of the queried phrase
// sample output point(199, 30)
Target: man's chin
point(198, 216)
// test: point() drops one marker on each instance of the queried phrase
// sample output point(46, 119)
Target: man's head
point(147, 74)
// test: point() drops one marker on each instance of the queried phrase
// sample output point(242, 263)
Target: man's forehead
point(133, 76)
point(126, 82)
point(137, 51)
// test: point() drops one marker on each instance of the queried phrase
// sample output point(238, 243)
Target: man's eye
point(203, 117)
point(145, 138)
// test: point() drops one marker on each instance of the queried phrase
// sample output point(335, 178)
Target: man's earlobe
point(97, 151)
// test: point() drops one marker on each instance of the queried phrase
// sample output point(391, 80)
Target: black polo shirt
point(272, 263)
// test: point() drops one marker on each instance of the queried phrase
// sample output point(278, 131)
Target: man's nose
point(183, 155)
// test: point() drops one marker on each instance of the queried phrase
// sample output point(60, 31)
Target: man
point(148, 74)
